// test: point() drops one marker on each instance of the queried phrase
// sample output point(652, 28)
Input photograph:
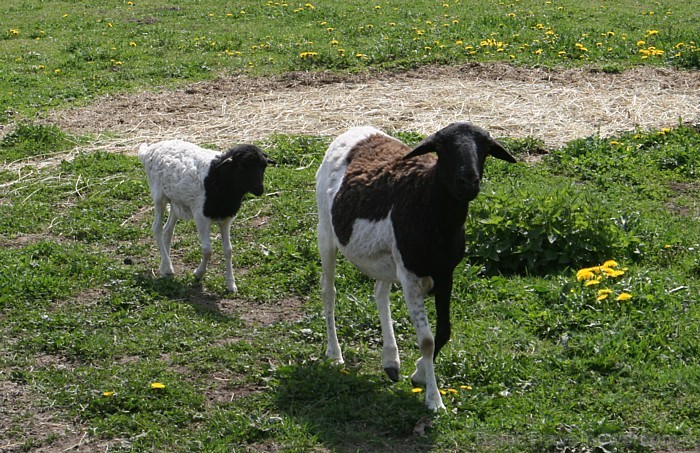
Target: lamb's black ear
point(499, 152)
point(224, 162)
point(269, 161)
point(428, 145)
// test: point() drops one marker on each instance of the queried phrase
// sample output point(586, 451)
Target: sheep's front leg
point(225, 228)
point(414, 292)
point(390, 351)
point(204, 232)
point(328, 252)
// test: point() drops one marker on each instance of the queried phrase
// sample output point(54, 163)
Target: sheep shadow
point(351, 412)
point(188, 292)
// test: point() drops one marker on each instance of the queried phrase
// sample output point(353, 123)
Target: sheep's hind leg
point(204, 232)
point(225, 228)
point(328, 252)
point(164, 236)
point(390, 351)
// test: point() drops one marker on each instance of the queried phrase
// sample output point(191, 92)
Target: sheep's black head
point(244, 166)
point(461, 149)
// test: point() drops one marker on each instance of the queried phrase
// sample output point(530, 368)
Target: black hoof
point(393, 374)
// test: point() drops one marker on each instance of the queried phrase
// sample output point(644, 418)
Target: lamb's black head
point(461, 149)
point(244, 166)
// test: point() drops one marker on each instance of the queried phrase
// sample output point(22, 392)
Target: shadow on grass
point(351, 412)
point(186, 291)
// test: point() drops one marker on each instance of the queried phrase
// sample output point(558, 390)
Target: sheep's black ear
point(499, 152)
point(269, 161)
point(426, 146)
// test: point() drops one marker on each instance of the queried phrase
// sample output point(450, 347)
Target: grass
point(536, 362)
point(99, 351)
point(64, 53)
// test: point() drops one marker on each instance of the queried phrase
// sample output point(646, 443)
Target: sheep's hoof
point(393, 374)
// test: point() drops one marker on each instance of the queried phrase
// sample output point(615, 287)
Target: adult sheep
point(398, 215)
point(203, 185)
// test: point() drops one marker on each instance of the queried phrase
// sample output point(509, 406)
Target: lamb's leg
point(390, 351)
point(414, 291)
point(163, 241)
point(204, 232)
point(167, 240)
point(225, 228)
point(328, 252)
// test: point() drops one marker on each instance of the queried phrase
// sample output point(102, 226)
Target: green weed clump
point(543, 227)
point(29, 140)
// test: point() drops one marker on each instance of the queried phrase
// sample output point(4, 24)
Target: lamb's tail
point(143, 152)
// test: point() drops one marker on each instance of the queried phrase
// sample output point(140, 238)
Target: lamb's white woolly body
point(178, 174)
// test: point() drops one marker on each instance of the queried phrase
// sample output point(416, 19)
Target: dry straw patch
point(555, 106)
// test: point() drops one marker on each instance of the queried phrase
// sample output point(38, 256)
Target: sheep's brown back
point(375, 180)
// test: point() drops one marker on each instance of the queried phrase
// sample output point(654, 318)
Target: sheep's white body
point(176, 170)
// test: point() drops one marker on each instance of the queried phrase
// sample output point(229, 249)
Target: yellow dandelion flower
point(652, 32)
point(624, 296)
point(442, 392)
point(157, 385)
point(601, 297)
point(584, 274)
point(592, 282)
point(132, 44)
point(610, 263)
point(465, 387)
point(416, 390)
point(641, 43)
point(453, 391)
point(107, 394)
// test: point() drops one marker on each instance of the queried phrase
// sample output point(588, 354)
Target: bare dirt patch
point(262, 314)
point(555, 106)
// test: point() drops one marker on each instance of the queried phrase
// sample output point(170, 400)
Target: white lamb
point(203, 185)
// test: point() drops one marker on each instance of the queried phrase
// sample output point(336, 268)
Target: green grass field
point(99, 353)
point(61, 53)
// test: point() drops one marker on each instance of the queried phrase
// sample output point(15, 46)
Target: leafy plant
point(540, 227)
point(27, 140)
